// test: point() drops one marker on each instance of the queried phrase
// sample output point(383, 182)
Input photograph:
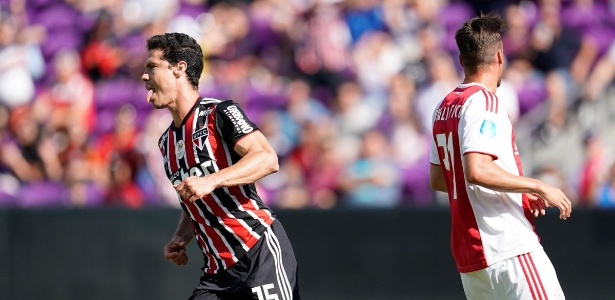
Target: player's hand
point(194, 188)
point(537, 205)
point(175, 251)
point(555, 197)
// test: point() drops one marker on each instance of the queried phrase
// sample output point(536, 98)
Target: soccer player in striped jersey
point(475, 160)
point(213, 154)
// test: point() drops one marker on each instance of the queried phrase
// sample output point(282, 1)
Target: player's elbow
point(437, 181)
point(474, 175)
point(433, 184)
point(438, 186)
point(272, 163)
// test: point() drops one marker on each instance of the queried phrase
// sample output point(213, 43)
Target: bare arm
point(480, 169)
point(184, 228)
point(258, 160)
point(175, 249)
point(436, 179)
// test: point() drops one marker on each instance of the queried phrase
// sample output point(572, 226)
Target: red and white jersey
point(487, 226)
point(229, 221)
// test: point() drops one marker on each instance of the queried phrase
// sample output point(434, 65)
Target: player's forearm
point(493, 177)
point(437, 181)
point(249, 169)
point(185, 229)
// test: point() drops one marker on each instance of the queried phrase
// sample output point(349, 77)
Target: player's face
point(159, 79)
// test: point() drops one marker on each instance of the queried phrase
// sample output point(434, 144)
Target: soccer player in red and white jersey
point(475, 160)
point(213, 155)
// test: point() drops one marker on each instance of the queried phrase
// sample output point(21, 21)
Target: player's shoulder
point(218, 104)
point(209, 102)
point(163, 138)
point(480, 98)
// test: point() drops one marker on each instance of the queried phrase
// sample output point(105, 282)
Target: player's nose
point(144, 77)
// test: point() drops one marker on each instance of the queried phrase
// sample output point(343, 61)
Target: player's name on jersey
point(448, 112)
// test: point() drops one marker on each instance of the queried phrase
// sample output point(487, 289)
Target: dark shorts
point(268, 271)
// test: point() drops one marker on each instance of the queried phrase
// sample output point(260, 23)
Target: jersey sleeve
point(433, 152)
point(481, 125)
point(232, 122)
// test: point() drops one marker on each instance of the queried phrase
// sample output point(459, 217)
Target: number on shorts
point(263, 292)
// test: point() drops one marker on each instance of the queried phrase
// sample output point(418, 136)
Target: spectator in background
point(564, 57)
point(594, 169)
point(517, 37)
point(443, 77)
point(21, 61)
point(301, 164)
point(373, 180)
point(67, 104)
point(9, 183)
point(322, 46)
point(301, 105)
point(119, 150)
point(34, 160)
point(363, 16)
point(376, 58)
point(409, 144)
point(32, 156)
point(152, 175)
point(606, 192)
point(601, 76)
point(353, 116)
point(101, 55)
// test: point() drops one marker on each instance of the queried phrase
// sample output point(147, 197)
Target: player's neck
point(487, 77)
point(183, 106)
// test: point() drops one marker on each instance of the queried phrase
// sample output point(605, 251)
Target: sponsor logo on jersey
point(237, 118)
point(163, 140)
point(488, 129)
point(181, 149)
point(206, 112)
point(200, 170)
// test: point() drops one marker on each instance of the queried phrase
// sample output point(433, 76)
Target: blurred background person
point(373, 180)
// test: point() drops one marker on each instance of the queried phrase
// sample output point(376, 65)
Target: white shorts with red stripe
point(528, 276)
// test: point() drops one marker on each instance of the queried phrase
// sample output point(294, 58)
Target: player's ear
point(180, 67)
point(460, 60)
point(500, 57)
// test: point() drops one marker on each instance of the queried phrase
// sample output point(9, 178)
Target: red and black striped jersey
point(229, 221)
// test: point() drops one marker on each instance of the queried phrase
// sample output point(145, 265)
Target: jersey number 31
point(449, 156)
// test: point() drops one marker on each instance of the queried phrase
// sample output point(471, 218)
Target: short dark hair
point(479, 39)
point(178, 47)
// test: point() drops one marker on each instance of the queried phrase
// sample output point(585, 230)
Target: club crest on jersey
point(199, 137)
point(181, 149)
point(488, 129)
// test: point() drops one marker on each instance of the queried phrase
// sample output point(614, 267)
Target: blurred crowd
point(343, 90)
